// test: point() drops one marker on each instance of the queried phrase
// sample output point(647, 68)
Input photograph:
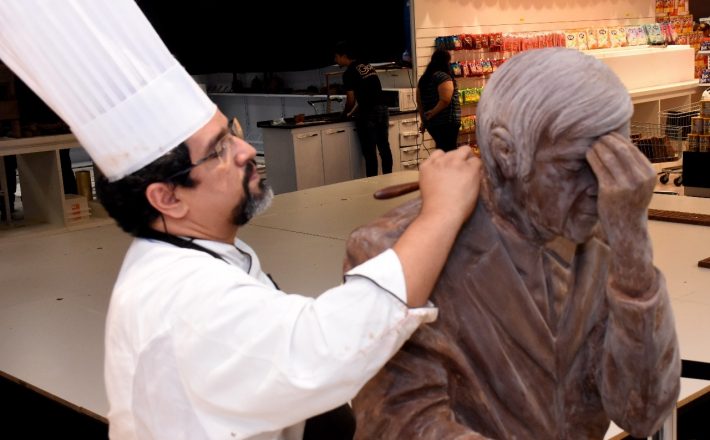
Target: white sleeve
point(275, 359)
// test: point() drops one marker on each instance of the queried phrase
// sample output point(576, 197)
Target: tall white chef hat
point(102, 68)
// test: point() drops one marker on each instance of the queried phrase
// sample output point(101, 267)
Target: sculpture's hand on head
point(626, 181)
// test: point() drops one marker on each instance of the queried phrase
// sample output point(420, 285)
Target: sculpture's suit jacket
point(527, 345)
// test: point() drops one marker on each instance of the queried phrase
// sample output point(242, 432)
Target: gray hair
point(543, 95)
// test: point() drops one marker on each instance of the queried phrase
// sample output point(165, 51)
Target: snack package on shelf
point(468, 124)
point(512, 42)
point(440, 43)
point(671, 7)
point(571, 40)
point(617, 37)
point(456, 68)
point(679, 7)
point(660, 7)
point(680, 24)
point(592, 41)
point(665, 32)
point(655, 35)
point(603, 40)
point(582, 39)
point(466, 68)
point(470, 95)
point(486, 66)
point(485, 42)
point(642, 35)
point(631, 35)
point(688, 24)
point(449, 42)
point(496, 42)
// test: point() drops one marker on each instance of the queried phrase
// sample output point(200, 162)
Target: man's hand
point(449, 185)
point(450, 182)
point(626, 181)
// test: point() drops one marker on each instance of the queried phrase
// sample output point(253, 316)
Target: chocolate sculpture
point(552, 318)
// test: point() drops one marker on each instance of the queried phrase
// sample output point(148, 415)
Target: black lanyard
point(179, 242)
point(190, 244)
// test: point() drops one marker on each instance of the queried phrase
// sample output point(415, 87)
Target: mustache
point(249, 170)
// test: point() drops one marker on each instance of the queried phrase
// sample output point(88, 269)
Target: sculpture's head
point(539, 114)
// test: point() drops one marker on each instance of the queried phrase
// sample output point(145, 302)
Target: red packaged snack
point(477, 68)
point(485, 41)
point(496, 42)
point(466, 41)
point(478, 41)
point(466, 68)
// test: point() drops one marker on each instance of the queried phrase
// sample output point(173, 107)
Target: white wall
point(433, 18)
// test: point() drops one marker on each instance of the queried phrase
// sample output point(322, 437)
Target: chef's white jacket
point(199, 348)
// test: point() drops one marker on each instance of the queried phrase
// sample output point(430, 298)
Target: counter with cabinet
point(325, 149)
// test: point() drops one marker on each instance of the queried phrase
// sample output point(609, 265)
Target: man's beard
point(252, 204)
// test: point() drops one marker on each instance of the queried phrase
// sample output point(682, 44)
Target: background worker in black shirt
point(362, 85)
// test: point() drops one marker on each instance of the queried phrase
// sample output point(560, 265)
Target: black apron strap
point(177, 241)
point(189, 244)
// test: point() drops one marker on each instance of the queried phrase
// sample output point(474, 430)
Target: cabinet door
point(393, 137)
point(357, 161)
point(309, 159)
point(336, 155)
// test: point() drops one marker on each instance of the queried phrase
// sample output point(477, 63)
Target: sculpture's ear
point(503, 153)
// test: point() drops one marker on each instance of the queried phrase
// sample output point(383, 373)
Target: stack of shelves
point(44, 206)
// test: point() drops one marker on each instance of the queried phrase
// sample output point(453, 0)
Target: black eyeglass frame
point(235, 129)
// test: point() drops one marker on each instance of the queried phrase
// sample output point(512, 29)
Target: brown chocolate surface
point(500, 364)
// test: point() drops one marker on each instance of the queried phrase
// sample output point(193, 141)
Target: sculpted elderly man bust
point(552, 318)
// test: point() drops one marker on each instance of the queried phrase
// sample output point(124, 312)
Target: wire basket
point(681, 116)
point(658, 142)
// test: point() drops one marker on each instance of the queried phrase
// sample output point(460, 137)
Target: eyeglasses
point(221, 150)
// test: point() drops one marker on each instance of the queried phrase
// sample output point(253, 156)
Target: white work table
point(56, 287)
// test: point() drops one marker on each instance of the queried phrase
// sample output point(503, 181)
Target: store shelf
point(669, 88)
point(43, 207)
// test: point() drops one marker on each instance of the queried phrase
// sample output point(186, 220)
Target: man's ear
point(503, 153)
point(162, 197)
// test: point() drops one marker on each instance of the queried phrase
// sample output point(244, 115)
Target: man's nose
point(245, 152)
